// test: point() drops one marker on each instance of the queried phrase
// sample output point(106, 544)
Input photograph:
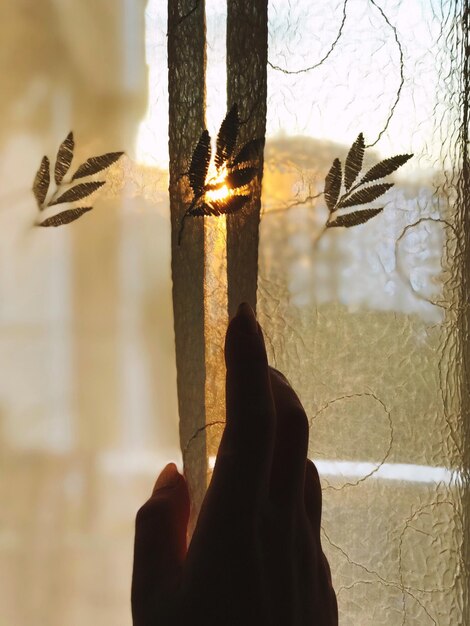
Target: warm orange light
point(215, 324)
point(214, 195)
point(216, 187)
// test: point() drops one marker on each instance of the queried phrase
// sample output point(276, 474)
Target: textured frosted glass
point(362, 320)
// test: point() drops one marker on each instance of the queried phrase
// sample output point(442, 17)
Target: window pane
point(361, 319)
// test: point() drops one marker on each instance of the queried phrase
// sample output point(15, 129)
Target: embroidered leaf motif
point(240, 178)
point(200, 163)
point(64, 158)
point(368, 194)
point(41, 182)
point(353, 163)
point(231, 204)
point(227, 137)
point(333, 185)
point(385, 167)
point(80, 191)
point(70, 215)
point(235, 171)
point(199, 211)
point(250, 152)
point(93, 165)
point(355, 218)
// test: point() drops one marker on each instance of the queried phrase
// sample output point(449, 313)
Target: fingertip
point(168, 478)
point(247, 318)
point(244, 344)
point(167, 510)
point(250, 406)
point(171, 490)
point(160, 543)
point(244, 322)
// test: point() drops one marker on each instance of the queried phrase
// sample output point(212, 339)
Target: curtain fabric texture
point(111, 331)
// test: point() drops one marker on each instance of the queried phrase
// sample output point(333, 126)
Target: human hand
point(255, 557)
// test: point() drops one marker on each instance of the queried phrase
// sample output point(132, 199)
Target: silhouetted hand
point(255, 557)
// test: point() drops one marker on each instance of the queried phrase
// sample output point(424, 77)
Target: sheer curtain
point(369, 323)
point(88, 407)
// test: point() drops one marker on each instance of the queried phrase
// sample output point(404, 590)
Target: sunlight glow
point(218, 194)
point(217, 187)
point(215, 324)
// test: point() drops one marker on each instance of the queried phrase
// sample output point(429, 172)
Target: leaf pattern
point(64, 158)
point(80, 191)
point(74, 193)
point(240, 178)
point(354, 161)
point(385, 167)
point(333, 185)
point(93, 165)
point(70, 215)
point(227, 137)
point(231, 204)
point(251, 151)
point(355, 218)
point(41, 182)
point(200, 163)
point(239, 170)
point(367, 194)
point(200, 210)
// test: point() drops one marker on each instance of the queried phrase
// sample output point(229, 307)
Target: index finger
point(243, 463)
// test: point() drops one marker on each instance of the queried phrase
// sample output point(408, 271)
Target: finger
point(290, 449)
point(160, 545)
point(245, 453)
point(313, 507)
point(313, 498)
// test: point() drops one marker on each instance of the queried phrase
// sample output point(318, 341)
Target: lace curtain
point(100, 319)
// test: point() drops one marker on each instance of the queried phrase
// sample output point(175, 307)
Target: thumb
point(160, 546)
